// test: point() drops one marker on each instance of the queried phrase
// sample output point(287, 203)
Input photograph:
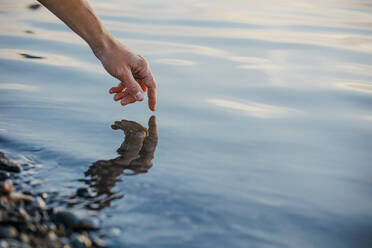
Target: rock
point(7, 164)
point(18, 198)
point(89, 224)
point(65, 218)
point(23, 237)
point(39, 203)
point(11, 243)
point(70, 221)
point(52, 236)
point(6, 187)
point(27, 192)
point(98, 242)
point(84, 192)
point(24, 215)
point(80, 240)
point(8, 232)
point(4, 175)
point(43, 195)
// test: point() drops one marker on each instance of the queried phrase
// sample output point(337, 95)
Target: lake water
point(264, 119)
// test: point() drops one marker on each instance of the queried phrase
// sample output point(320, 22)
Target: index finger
point(149, 81)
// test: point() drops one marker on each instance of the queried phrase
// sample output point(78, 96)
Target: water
point(264, 118)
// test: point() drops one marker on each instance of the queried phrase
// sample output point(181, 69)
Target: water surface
point(264, 118)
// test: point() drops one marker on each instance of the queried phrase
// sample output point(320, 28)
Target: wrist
point(101, 45)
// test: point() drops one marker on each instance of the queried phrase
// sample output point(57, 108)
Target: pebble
point(20, 198)
point(4, 175)
point(43, 195)
point(70, 221)
point(6, 187)
point(84, 192)
point(65, 218)
point(7, 164)
point(8, 232)
point(29, 219)
point(39, 203)
point(80, 240)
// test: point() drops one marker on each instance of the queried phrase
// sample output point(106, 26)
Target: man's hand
point(131, 69)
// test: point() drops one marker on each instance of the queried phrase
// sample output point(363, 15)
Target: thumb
point(132, 86)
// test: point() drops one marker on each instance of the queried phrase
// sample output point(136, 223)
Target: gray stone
point(7, 164)
point(4, 175)
point(6, 187)
point(39, 203)
point(8, 232)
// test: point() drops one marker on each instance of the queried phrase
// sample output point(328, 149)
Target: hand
point(131, 69)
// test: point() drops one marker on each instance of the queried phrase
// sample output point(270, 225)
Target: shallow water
point(264, 118)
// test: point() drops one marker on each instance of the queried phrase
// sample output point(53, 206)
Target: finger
point(142, 84)
point(127, 100)
point(151, 93)
point(133, 86)
point(121, 95)
point(117, 89)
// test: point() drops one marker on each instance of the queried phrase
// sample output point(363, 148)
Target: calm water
point(264, 119)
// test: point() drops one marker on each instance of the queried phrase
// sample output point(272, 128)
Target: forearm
point(119, 61)
point(81, 18)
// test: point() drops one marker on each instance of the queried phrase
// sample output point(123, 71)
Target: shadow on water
point(135, 157)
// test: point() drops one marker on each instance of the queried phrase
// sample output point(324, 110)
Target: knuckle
point(132, 89)
point(119, 74)
point(142, 63)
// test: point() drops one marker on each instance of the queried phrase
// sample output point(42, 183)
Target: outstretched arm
point(131, 69)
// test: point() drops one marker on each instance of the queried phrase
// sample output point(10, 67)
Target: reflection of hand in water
point(136, 154)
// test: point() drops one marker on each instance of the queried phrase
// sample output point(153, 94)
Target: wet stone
point(7, 164)
point(65, 218)
point(84, 192)
point(6, 187)
point(29, 219)
point(11, 243)
point(80, 240)
point(39, 203)
point(43, 195)
point(90, 224)
point(27, 192)
point(4, 175)
point(18, 198)
point(23, 237)
point(8, 232)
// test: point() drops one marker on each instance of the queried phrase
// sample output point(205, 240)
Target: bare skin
point(119, 61)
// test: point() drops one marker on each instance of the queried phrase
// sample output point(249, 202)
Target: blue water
point(264, 119)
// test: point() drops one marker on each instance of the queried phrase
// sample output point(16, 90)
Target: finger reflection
point(135, 156)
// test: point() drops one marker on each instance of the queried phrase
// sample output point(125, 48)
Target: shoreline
point(29, 219)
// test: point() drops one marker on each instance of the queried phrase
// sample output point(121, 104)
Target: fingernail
point(139, 96)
